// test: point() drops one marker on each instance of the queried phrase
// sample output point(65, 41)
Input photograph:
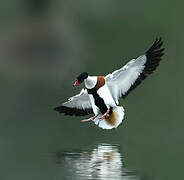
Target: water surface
point(103, 161)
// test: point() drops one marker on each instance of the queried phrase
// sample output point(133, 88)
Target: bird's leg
point(103, 116)
point(90, 119)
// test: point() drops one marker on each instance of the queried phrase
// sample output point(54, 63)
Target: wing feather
point(79, 105)
point(121, 82)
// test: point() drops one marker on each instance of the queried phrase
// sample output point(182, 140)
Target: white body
point(105, 94)
point(119, 110)
point(117, 85)
point(90, 82)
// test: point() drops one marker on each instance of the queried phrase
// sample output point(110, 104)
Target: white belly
point(96, 110)
point(105, 94)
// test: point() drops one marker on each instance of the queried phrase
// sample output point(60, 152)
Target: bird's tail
point(112, 121)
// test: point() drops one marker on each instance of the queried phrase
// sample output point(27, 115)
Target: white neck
point(90, 82)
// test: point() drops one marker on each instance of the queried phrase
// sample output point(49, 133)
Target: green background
point(46, 44)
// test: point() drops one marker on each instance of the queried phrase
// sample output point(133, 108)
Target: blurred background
point(45, 44)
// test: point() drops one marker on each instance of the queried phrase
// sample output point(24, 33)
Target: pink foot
point(90, 119)
point(103, 116)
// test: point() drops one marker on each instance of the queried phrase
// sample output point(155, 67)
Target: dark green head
point(81, 78)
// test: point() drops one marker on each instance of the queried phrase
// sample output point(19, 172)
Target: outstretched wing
point(78, 105)
point(122, 81)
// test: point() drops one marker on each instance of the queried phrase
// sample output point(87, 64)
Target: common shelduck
point(101, 93)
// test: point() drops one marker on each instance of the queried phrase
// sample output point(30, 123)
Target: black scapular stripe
point(99, 102)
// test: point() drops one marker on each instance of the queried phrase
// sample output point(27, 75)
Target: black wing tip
point(156, 52)
point(63, 109)
point(72, 111)
point(59, 109)
point(55, 109)
point(153, 56)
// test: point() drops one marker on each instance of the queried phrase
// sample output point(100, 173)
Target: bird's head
point(80, 78)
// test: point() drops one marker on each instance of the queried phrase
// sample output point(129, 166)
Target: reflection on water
point(101, 162)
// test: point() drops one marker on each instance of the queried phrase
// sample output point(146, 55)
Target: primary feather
point(122, 81)
point(78, 105)
point(102, 94)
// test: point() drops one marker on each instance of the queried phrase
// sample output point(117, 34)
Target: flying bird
point(101, 94)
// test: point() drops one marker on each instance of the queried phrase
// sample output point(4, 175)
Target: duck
point(101, 94)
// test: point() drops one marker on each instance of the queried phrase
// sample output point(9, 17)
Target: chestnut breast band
point(99, 84)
